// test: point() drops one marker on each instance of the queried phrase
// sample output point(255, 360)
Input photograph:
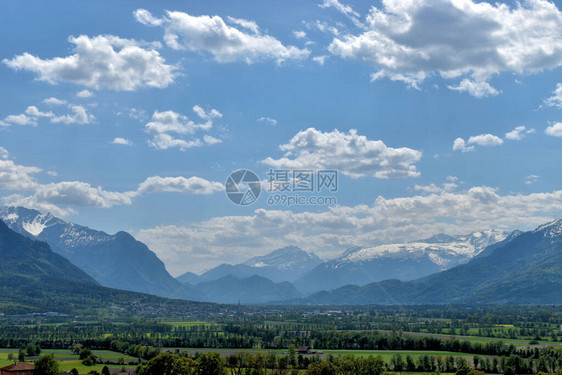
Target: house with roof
point(19, 368)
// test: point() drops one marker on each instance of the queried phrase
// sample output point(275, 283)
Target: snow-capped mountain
point(290, 258)
point(524, 268)
point(117, 261)
point(285, 264)
point(402, 261)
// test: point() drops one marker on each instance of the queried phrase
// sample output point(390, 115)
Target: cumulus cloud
point(518, 133)
point(101, 62)
point(122, 141)
point(475, 88)
point(460, 144)
point(234, 40)
point(554, 130)
point(485, 140)
point(79, 116)
point(467, 40)
point(320, 59)
point(32, 115)
point(63, 197)
point(14, 176)
point(85, 94)
point(192, 185)
point(267, 120)
point(352, 154)
point(345, 9)
point(54, 101)
point(556, 99)
point(330, 232)
point(449, 185)
point(299, 34)
point(166, 127)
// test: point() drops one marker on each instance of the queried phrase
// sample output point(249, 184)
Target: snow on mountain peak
point(443, 250)
point(551, 229)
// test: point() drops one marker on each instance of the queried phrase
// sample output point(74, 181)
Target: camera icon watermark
point(243, 187)
point(285, 187)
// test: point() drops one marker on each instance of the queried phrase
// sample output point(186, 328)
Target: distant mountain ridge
point(402, 261)
point(525, 268)
point(285, 264)
point(117, 261)
point(250, 290)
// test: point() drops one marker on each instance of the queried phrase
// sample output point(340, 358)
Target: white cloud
point(21, 119)
point(60, 198)
point(101, 62)
point(192, 185)
point(320, 59)
point(54, 101)
point(450, 185)
point(250, 25)
point(475, 88)
point(345, 9)
point(485, 140)
point(79, 116)
point(299, 34)
point(122, 141)
point(14, 176)
point(518, 133)
point(481, 140)
point(531, 179)
point(145, 17)
point(554, 130)
point(412, 40)
point(329, 232)
point(226, 43)
point(32, 115)
point(85, 94)
point(210, 140)
point(459, 144)
point(267, 120)
point(556, 99)
point(166, 126)
point(352, 154)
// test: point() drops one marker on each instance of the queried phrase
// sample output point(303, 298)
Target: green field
point(70, 360)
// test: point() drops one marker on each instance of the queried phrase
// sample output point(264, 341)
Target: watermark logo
point(285, 187)
point(243, 187)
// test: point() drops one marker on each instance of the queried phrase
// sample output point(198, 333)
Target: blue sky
point(439, 116)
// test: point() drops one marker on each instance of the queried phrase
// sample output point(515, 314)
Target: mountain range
point(525, 268)
point(115, 261)
point(403, 261)
point(34, 279)
point(285, 264)
point(482, 267)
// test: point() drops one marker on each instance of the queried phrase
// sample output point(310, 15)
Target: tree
point(210, 364)
point(324, 368)
point(74, 372)
point(21, 355)
point(85, 353)
point(292, 355)
point(46, 365)
point(105, 371)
